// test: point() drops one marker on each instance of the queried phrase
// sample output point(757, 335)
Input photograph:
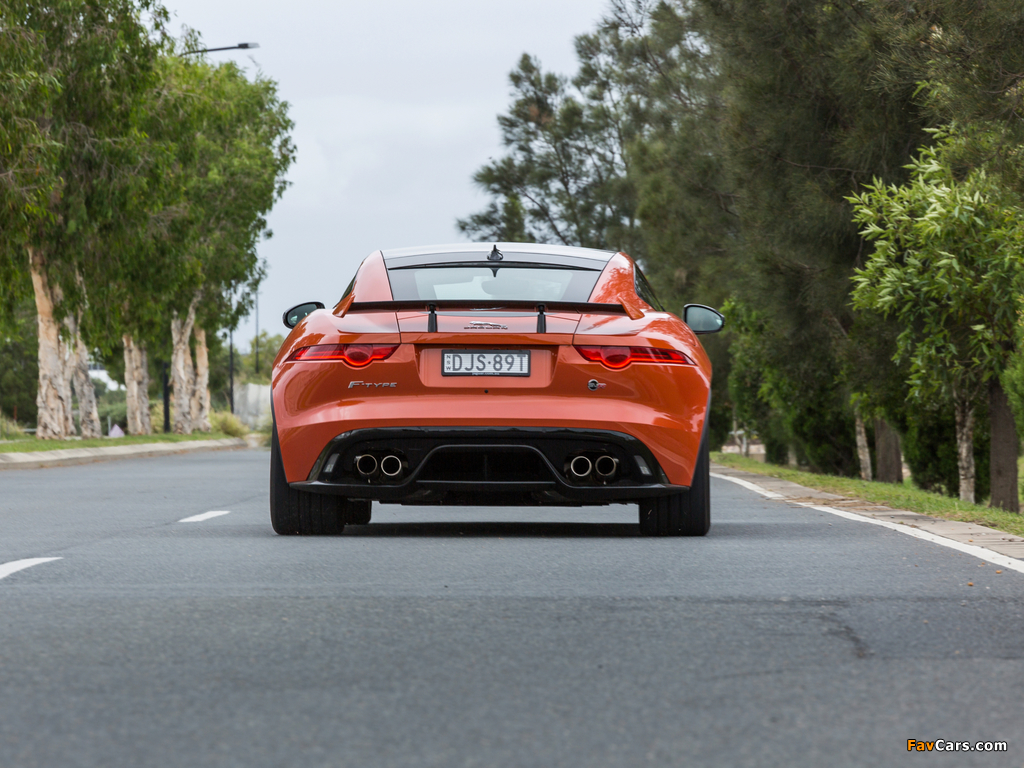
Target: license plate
point(485, 362)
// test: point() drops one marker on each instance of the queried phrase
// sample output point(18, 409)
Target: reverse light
point(356, 355)
point(619, 357)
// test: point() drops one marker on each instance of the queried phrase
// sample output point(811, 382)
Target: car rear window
point(509, 281)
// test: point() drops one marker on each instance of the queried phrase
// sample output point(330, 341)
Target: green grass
point(903, 496)
point(27, 443)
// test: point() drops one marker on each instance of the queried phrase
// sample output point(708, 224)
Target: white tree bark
point(78, 364)
point(965, 447)
point(863, 451)
point(136, 382)
point(142, 376)
point(53, 398)
point(201, 388)
point(131, 387)
point(183, 376)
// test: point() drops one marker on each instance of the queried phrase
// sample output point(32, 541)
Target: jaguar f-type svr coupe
point(492, 374)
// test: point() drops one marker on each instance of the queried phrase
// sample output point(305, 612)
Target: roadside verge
point(64, 457)
point(966, 537)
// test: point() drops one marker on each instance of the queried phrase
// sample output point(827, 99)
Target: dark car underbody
point(499, 466)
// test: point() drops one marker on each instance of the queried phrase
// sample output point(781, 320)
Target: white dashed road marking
point(19, 565)
point(205, 516)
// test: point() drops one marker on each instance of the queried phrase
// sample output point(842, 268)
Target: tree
point(564, 178)
point(19, 374)
point(948, 264)
point(797, 131)
point(233, 148)
point(73, 171)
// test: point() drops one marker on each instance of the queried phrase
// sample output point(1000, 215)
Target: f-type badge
point(477, 325)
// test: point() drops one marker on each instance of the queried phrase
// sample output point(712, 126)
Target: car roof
point(562, 255)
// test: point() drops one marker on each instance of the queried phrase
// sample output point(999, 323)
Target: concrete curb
point(1000, 542)
point(68, 456)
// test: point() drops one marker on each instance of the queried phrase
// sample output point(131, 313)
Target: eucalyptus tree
point(74, 170)
point(233, 148)
point(948, 264)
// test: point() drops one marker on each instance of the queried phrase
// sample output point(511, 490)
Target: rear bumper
point(488, 465)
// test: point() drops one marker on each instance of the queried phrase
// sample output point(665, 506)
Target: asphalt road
point(482, 637)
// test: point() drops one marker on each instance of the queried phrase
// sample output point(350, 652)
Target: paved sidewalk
point(966, 533)
point(68, 456)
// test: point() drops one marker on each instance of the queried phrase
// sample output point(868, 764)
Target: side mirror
point(703, 319)
point(295, 314)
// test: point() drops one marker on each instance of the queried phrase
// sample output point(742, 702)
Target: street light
point(242, 46)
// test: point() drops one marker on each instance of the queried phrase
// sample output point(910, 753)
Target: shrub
point(929, 448)
point(229, 424)
point(9, 428)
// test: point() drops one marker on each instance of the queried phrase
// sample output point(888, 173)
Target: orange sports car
point(501, 374)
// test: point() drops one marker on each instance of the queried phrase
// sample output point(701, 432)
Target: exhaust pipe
point(606, 466)
point(391, 465)
point(366, 465)
point(580, 466)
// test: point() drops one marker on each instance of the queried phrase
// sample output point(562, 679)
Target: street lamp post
point(167, 401)
point(257, 331)
point(240, 46)
point(231, 369)
point(231, 335)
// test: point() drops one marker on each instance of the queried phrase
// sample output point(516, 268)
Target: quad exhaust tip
point(606, 466)
point(366, 465)
point(580, 466)
point(391, 465)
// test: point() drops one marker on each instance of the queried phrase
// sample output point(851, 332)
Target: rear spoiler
point(442, 305)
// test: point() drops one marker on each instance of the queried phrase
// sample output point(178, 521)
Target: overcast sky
point(394, 103)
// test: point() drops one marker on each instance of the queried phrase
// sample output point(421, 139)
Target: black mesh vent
point(486, 465)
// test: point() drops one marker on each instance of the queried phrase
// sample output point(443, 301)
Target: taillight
point(356, 355)
point(620, 357)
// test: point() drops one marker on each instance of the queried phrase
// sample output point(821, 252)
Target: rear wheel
point(299, 512)
point(681, 514)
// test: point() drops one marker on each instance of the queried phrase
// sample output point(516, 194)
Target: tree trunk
point(863, 452)
point(142, 376)
point(88, 416)
point(201, 390)
point(888, 455)
point(53, 399)
point(1004, 448)
point(182, 372)
point(131, 387)
point(965, 447)
point(136, 383)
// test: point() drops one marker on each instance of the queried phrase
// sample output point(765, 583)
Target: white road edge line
point(988, 555)
point(205, 516)
point(19, 565)
point(750, 486)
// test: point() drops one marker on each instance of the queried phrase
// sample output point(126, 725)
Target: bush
point(117, 413)
point(929, 448)
point(156, 414)
point(229, 424)
point(9, 429)
point(1013, 384)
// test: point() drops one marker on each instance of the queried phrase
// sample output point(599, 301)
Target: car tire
point(681, 514)
point(358, 512)
point(301, 513)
